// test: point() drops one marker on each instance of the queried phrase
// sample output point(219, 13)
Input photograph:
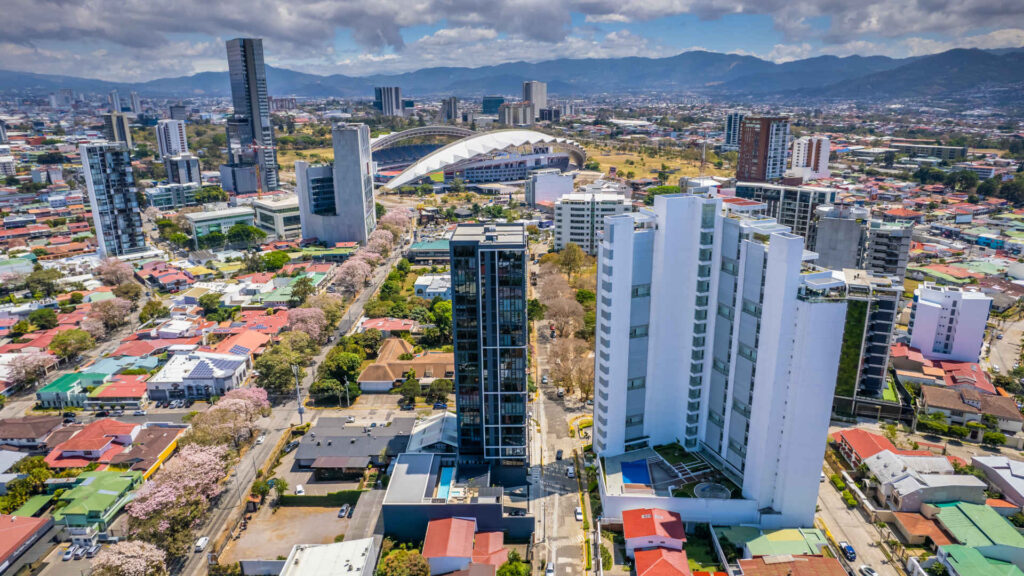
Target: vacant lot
point(287, 158)
point(271, 534)
point(648, 166)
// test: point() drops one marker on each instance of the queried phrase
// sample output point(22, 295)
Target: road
point(282, 417)
point(852, 526)
point(1005, 352)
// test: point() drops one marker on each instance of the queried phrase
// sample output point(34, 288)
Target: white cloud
point(788, 52)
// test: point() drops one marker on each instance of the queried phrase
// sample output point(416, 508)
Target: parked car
point(344, 511)
point(69, 553)
point(92, 551)
point(139, 413)
point(440, 406)
point(561, 393)
point(351, 510)
point(570, 472)
point(550, 570)
point(201, 543)
point(350, 419)
point(544, 379)
point(579, 514)
point(867, 570)
point(847, 551)
point(80, 552)
point(300, 491)
point(261, 438)
point(409, 406)
point(117, 413)
point(69, 414)
point(291, 446)
point(558, 454)
point(102, 414)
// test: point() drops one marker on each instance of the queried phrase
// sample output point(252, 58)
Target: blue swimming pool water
point(636, 472)
point(444, 485)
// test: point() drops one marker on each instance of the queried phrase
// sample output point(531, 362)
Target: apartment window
point(636, 383)
point(641, 290)
point(638, 331)
point(633, 420)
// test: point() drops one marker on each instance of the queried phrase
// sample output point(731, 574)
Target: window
point(638, 331)
point(636, 383)
point(641, 290)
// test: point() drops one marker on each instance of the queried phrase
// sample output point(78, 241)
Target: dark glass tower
point(490, 333)
point(250, 134)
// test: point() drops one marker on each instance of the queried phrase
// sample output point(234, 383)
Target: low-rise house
point(97, 442)
point(28, 432)
point(348, 558)
point(652, 528)
point(198, 375)
point(453, 544)
point(857, 445)
point(792, 566)
point(786, 542)
point(389, 326)
point(335, 449)
point(153, 445)
point(963, 406)
point(967, 561)
point(1006, 475)
point(437, 434)
point(912, 366)
point(68, 390)
point(92, 500)
point(396, 358)
point(982, 528)
point(430, 286)
point(906, 482)
point(662, 562)
point(120, 392)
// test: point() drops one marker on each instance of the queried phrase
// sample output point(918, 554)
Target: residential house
point(1005, 475)
point(28, 432)
point(453, 544)
point(792, 566)
point(389, 326)
point(906, 482)
point(982, 528)
point(662, 562)
point(92, 500)
point(335, 449)
point(396, 358)
point(857, 445)
point(68, 390)
point(652, 528)
point(97, 442)
point(431, 286)
point(963, 406)
point(198, 375)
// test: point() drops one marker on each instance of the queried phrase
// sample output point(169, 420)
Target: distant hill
point(702, 72)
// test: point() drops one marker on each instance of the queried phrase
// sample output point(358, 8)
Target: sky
point(138, 40)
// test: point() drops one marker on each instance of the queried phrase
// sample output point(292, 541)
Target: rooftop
point(513, 235)
point(978, 525)
point(337, 559)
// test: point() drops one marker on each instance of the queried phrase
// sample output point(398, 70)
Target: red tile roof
point(792, 566)
point(489, 548)
point(124, 386)
point(866, 444)
point(98, 435)
point(16, 531)
point(246, 342)
point(449, 538)
point(644, 522)
point(662, 562)
point(388, 324)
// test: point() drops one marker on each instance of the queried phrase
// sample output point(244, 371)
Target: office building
point(872, 305)
point(171, 139)
point(516, 113)
point(839, 235)
point(114, 101)
point(536, 93)
point(714, 334)
point(547, 185)
point(3, 132)
point(947, 153)
point(388, 100)
point(764, 149)
point(172, 196)
point(112, 197)
point(888, 248)
point(239, 178)
point(336, 200)
point(135, 102)
point(117, 128)
point(178, 112)
point(579, 218)
point(948, 323)
point(488, 269)
point(249, 132)
point(792, 206)
point(449, 110)
point(491, 104)
point(219, 221)
point(278, 216)
point(182, 168)
point(550, 115)
point(810, 158)
point(731, 140)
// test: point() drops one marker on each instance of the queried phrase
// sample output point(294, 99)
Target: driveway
point(272, 534)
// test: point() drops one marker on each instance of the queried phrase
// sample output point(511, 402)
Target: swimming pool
point(636, 472)
point(444, 485)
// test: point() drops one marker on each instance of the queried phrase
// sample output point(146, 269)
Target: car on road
point(261, 438)
point(117, 413)
point(201, 543)
point(558, 454)
point(847, 551)
point(69, 553)
point(344, 511)
point(409, 406)
point(570, 472)
point(440, 406)
point(999, 336)
point(70, 420)
point(579, 514)
point(69, 414)
point(139, 413)
point(561, 393)
point(550, 570)
point(544, 379)
point(995, 368)
point(300, 491)
point(866, 570)
point(350, 419)
point(102, 414)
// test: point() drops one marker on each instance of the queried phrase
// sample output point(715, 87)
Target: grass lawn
point(651, 165)
point(408, 287)
point(287, 158)
point(889, 392)
point(674, 454)
point(436, 176)
point(908, 288)
point(701, 555)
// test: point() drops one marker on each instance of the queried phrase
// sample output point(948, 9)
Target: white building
point(547, 185)
point(112, 195)
point(279, 216)
point(810, 157)
point(537, 94)
point(348, 558)
point(183, 169)
point(430, 286)
point(579, 218)
point(198, 375)
point(948, 323)
point(171, 139)
point(713, 333)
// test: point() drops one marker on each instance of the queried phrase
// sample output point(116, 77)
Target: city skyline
point(351, 39)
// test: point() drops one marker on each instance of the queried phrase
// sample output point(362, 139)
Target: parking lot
point(272, 534)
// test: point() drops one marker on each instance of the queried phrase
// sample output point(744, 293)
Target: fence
point(324, 500)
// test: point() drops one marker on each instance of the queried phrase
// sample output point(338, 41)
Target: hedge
point(326, 500)
point(837, 481)
point(849, 499)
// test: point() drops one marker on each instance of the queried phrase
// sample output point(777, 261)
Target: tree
point(987, 187)
point(112, 272)
point(274, 261)
point(961, 180)
point(43, 318)
point(993, 438)
point(439, 390)
point(327, 388)
point(566, 315)
point(311, 321)
point(514, 565)
point(571, 259)
point(275, 370)
point(153, 309)
point(535, 310)
point(404, 563)
point(341, 365)
point(937, 569)
point(403, 266)
point(210, 302)
point(410, 388)
point(380, 209)
point(243, 233)
point(76, 298)
point(370, 340)
point(211, 194)
point(130, 558)
point(70, 343)
point(129, 291)
point(43, 282)
point(301, 289)
point(280, 487)
point(28, 368)
point(353, 275)
point(442, 311)
point(113, 313)
point(95, 328)
point(332, 306)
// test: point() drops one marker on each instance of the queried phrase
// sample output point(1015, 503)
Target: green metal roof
point(32, 506)
point(978, 525)
point(430, 245)
point(797, 542)
point(96, 492)
point(64, 384)
point(969, 562)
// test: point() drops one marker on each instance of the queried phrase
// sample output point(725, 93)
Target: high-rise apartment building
point(178, 112)
point(536, 93)
point(336, 200)
point(888, 249)
point(117, 128)
point(112, 198)
point(872, 305)
point(712, 332)
point(488, 270)
point(791, 206)
point(579, 218)
point(171, 139)
point(810, 157)
point(491, 104)
point(733, 121)
point(388, 100)
point(182, 168)
point(114, 101)
point(135, 101)
point(449, 110)
point(249, 132)
point(3, 132)
point(846, 237)
point(547, 185)
point(948, 323)
point(516, 113)
point(764, 149)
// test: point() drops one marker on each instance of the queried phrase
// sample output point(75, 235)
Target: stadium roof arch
point(481, 143)
point(388, 140)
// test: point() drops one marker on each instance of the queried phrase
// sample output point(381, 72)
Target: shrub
point(993, 438)
point(848, 498)
point(837, 481)
point(326, 500)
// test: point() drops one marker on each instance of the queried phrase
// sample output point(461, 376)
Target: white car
point(261, 438)
point(350, 419)
point(579, 514)
point(201, 543)
point(570, 471)
point(550, 570)
point(299, 490)
point(866, 570)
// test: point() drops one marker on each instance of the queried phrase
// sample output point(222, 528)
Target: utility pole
point(298, 392)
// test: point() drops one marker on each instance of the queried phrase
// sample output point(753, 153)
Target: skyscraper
point(115, 207)
point(712, 332)
point(336, 201)
point(182, 168)
point(449, 110)
point(764, 148)
point(249, 132)
point(178, 112)
point(491, 104)
point(792, 206)
point(537, 93)
point(117, 128)
point(388, 100)
point(872, 305)
point(733, 121)
point(3, 132)
point(114, 101)
point(810, 157)
point(136, 102)
point(171, 139)
point(488, 268)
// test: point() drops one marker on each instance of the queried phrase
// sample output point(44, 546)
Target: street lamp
point(298, 392)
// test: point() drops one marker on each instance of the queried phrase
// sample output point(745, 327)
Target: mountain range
point(709, 73)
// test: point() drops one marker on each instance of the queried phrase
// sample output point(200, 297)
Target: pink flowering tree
point(130, 558)
point(312, 321)
point(400, 219)
point(28, 368)
point(95, 328)
point(353, 274)
point(113, 313)
point(255, 397)
point(380, 241)
point(112, 272)
point(367, 255)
